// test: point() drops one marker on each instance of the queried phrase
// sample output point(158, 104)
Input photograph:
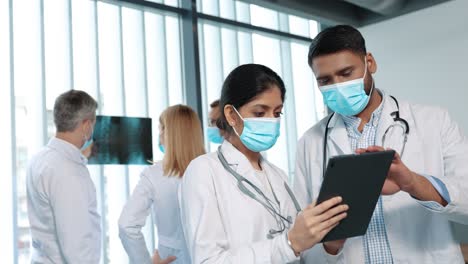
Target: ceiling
point(354, 12)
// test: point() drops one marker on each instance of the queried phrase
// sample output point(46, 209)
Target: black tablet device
point(359, 180)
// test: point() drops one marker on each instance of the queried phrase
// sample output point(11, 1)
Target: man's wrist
point(413, 187)
point(423, 189)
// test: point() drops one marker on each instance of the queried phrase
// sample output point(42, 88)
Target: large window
point(132, 57)
point(223, 47)
point(126, 58)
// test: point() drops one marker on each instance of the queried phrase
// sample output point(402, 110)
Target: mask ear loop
point(240, 118)
point(372, 87)
point(86, 137)
point(238, 113)
point(364, 77)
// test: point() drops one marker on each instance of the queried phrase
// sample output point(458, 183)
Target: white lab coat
point(158, 192)
point(222, 224)
point(62, 206)
point(435, 147)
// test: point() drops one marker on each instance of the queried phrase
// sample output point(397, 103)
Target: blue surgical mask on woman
point(259, 133)
point(347, 98)
point(161, 146)
point(214, 135)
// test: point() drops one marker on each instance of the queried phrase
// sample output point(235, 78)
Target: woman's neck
point(253, 157)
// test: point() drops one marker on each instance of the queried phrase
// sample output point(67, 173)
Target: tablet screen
point(359, 180)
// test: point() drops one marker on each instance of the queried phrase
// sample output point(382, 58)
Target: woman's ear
point(229, 113)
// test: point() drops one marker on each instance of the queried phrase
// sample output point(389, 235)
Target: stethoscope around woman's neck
point(263, 200)
point(398, 121)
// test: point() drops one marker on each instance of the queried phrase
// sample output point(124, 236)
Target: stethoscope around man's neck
point(263, 200)
point(398, 121)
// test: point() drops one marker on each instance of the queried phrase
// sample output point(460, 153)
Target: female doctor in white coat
point(236, 207)
point(181, 140)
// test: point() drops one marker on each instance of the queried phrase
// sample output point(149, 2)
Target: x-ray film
point(121, 140)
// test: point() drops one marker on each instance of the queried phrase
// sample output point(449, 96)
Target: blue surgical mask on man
point(214, 135)
point(259, 133)
point(347, 98)
point(88, 142)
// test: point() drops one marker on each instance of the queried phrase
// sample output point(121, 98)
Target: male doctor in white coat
point(427, 185)
point(62, 205)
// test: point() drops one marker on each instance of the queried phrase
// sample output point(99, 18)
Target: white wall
point(423, 57)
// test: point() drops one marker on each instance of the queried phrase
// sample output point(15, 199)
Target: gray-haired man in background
point(62, 207)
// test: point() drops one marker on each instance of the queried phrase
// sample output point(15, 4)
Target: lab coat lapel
point(338, 142)
point(385, 121)
point(414, 146)
point(239, 163)
point(394, 139)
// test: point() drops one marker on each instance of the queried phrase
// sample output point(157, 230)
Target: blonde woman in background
point(181, 139)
